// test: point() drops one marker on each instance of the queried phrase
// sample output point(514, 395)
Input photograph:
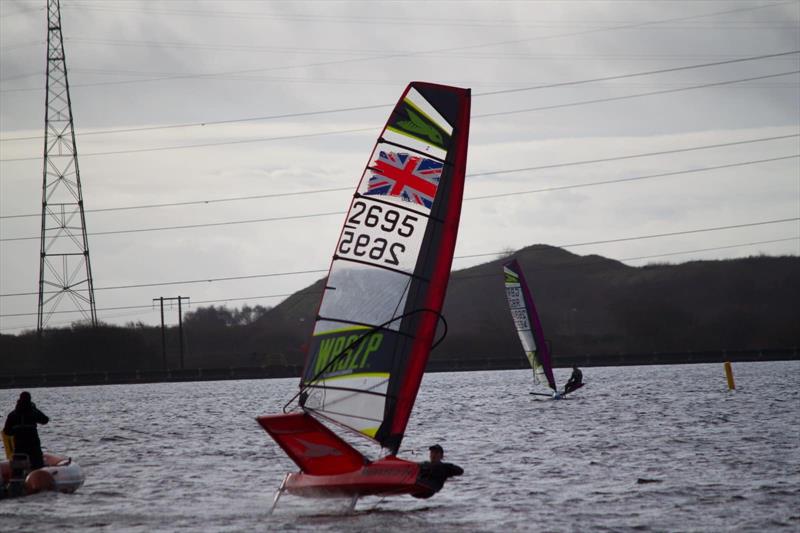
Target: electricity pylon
point(65, 273)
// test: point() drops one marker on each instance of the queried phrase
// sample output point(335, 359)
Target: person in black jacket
point(435, 472)
point(21, 424)
point(575, 380)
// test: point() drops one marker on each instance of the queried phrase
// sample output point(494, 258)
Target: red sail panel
point(314, 447)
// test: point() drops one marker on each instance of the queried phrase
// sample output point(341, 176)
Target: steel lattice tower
point(65, 273)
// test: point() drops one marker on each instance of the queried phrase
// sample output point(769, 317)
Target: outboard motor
point(20, 465)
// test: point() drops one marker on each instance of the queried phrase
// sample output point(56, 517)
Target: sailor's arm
point(454, 470)
point(39, 416)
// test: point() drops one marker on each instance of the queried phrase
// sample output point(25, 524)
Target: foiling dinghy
point(529, 329)
point(381, 306)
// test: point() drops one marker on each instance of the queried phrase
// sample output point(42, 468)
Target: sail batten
point(529, 327)
point(385, 288)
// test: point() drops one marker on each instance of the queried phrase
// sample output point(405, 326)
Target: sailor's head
point(24, 399)
point(436, 453)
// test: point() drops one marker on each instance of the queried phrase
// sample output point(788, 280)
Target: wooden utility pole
point(161, 300)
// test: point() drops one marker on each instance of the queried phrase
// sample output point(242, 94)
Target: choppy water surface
point(657, 448)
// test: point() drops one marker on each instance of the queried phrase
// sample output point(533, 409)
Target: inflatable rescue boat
point(59, 474)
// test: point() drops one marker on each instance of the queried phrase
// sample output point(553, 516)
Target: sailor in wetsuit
point(435, 472)
point(21, 424)
point(575, 380)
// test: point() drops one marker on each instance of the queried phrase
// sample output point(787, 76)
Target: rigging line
point(455, 277)
point(378, 106)
point(475, 174)
point(318, 374)
point(332, 213)
point(337, 132)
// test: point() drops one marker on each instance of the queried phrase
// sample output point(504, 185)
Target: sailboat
point(529, 329)
point(381, 305)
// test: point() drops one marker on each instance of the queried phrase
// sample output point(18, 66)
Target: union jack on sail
point(411, 177)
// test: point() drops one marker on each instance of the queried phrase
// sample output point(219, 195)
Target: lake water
point(655, 448)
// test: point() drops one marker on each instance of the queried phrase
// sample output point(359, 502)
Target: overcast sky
point(149, 65)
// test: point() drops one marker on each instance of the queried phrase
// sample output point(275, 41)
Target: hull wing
point(317, 450)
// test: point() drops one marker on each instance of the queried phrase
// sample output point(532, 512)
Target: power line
point(336, 132)
point(456, 276)
point(450, 22)
point(21, 12)
point(379, 106)
point(636, 74)
point(332, 213)
point(468, 47)
point(472, 175)
point(189, 282)
point(323, 270)
point(658, 235)
point(206, 145)
point(634, 178)
point(307, 292)
point(625, 97)
point(240, 47)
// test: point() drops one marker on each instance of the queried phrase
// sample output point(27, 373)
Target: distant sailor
point(21, 424)
point(435, 472)
point(575, 380)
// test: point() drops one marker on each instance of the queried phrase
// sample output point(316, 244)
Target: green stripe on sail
point(342, 330)
point(369, 432)
point(424, 114)
point(384, 375)
point(414, 123)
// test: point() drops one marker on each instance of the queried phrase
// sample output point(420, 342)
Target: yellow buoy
point(729, 375)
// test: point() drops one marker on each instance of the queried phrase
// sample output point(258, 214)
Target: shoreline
point(127, 377)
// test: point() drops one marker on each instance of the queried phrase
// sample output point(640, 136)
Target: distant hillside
point(588, 305)
point(593, 305)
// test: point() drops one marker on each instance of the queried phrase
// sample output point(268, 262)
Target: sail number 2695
point(376, 248)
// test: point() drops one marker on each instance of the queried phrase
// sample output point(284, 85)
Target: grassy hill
point(591, 304)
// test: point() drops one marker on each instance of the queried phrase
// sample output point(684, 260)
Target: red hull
point(386, 476)
point(330, 467)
